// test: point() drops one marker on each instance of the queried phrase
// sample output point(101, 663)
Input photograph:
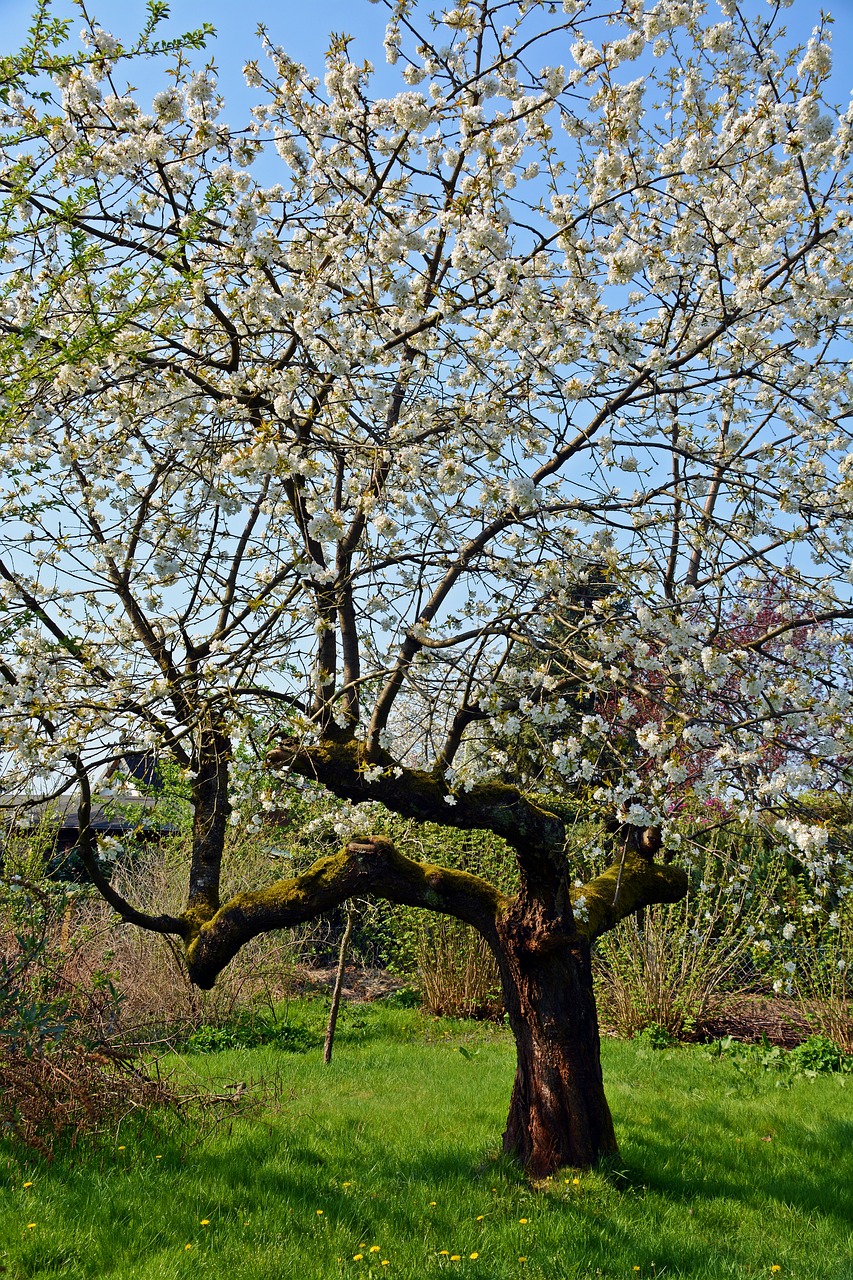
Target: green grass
point(724, 1173)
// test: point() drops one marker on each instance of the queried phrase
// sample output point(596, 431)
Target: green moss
point(374, 866)
point(642, 883)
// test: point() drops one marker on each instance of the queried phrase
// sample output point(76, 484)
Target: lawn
point(387, 1163)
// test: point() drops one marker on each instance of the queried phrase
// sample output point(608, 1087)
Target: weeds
point(64, 1074)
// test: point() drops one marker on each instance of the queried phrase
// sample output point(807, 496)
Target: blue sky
point(303, 28)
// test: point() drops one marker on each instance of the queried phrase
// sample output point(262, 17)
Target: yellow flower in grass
point(524, 1221)
point(374, 1248)
point(27, 1184)
point(522, 1259)
point(357, 1257)
point(480, 1217)
point(205, 1222)
point(444, 1253)
point(455, 1257)
point(473, 1255)
point(187, 1246)
point(30, 1226)
point(319, 1213)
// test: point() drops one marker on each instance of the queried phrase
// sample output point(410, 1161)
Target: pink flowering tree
point(329, 419)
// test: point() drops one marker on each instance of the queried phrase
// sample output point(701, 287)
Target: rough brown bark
point(211, 808)
point(558, 1113)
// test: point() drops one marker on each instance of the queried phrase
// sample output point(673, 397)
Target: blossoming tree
point(330, 420)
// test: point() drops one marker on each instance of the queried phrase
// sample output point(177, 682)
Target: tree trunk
point(558, 1114)
point(211, 808)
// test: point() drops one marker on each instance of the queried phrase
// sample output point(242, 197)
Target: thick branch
point(344, 768)
point(373, 866)
point(625, 887)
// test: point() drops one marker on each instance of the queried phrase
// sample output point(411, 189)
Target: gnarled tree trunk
point(558, 1114)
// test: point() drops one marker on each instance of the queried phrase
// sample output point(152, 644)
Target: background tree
point(315, 418)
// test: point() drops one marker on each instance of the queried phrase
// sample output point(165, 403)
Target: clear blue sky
point(302, 27)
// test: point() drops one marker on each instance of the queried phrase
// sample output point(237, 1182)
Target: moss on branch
point(344, 767)
point(372, 866)
point(624, 888)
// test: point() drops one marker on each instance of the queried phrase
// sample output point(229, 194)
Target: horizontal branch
point(373, 866)
point(344, 768)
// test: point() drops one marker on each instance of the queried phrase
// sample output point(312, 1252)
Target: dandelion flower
point(455, 1257)
point(443, 1253)
point(30, 1226)
point(357, 1257)
point(522, 1259)
point(319, 1213)
point(158, 1157)
point(205, 1222)
point(374, 1248)
point(473, 1255)
point(432, 1204)
point(523, 1221)
point(346, 1184)
point(480, 1217)
point(187, 1246)
point(121, 1148)
point(27, 1184)
point(576, 1182)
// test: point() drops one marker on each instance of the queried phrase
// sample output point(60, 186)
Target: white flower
point(522, 492)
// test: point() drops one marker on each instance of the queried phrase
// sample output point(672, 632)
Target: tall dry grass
point(456, 971)
point(157, 998)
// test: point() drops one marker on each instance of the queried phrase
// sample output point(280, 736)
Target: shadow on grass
point(813, 1173)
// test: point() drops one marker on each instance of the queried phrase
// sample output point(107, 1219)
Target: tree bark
point(211, 808)
point(558, 1112)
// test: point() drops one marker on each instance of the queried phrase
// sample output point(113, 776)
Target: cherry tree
point(334, 420)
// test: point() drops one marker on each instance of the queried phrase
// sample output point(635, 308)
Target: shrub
point(457, 973)
point(818, 1053)
point(822, 951)
point(677, 967)
point(63, 1074)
